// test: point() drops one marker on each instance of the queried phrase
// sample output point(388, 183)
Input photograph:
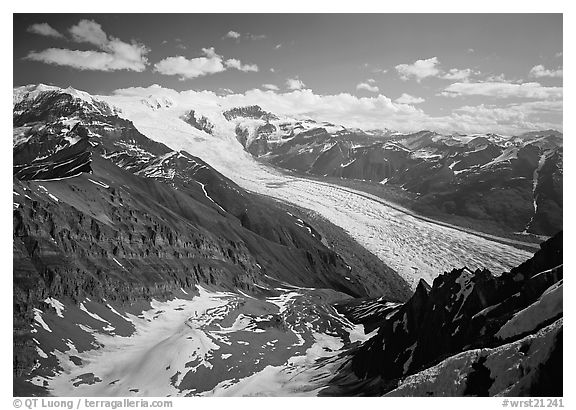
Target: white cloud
point(277, 46)
point(294, 84)
point(209, 63)
point(225, 91)
point(366, 86)
point(256, 36)
point(513, 109)
point(112, 54)
point(503, 90)
point(539, 71)
point(237, 64)
point(88, 31)
point(237, 36)
point(509, 119)
point(270, 87)
point(90, 60)
point(409, 99)
point(44, 29)
point(500, 78)
point(457, 74)
point(419, 69)
point(232, 34)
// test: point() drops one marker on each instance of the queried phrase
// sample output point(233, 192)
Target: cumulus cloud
point(237, 64)
point(294, 84)
point(409, 99)
point(90, 60)
point(511, 118)
point(368, 87)
point(430, 67)
point(503, 90)
point(277, 46)
point(88, 31)
point(419, 70)
point(112, 53)
point(373, 112)
point(44, 29)
point(209, 63)
point(539, 71)
point(457, 74)
point(270, 87)
point(237, 36)
point(498, 78)
point(232, 34)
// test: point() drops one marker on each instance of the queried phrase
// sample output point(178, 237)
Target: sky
point(446, 72)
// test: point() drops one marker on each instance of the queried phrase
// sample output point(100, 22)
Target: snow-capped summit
point(158, 102)
point(31, 91)
point(31, 98)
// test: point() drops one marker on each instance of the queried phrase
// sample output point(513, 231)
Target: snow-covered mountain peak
point(31, 91)
point(157, 102)
point(81, 95)
point(39, 97)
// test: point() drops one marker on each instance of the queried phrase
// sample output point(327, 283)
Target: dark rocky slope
point(468, 316)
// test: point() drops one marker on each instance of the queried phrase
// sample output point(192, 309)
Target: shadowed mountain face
point(464, 315)
point(515, 182)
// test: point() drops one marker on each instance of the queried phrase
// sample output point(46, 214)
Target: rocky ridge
point(463, 315)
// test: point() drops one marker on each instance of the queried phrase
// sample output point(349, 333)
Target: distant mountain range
point(513, 181)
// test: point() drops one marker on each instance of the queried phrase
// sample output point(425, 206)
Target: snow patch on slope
point(548, 306)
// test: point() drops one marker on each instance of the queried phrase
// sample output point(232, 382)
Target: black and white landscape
point(231, 205)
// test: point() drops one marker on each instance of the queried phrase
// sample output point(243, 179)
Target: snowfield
point(414, 247)
point(213, 343)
